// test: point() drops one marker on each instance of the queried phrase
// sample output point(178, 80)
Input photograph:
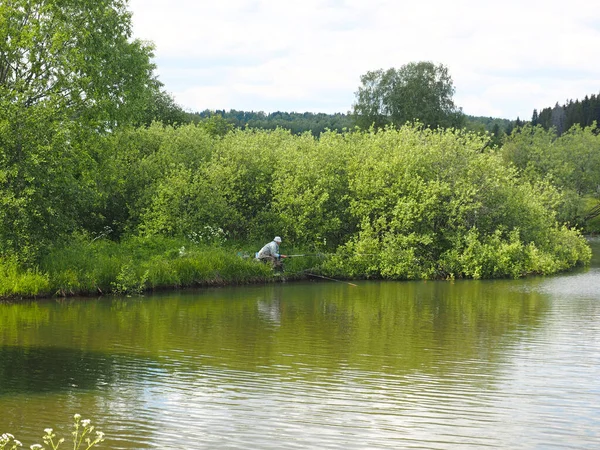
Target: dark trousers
point(277, 263)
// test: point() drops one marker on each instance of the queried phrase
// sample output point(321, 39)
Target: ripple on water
point(415, 365)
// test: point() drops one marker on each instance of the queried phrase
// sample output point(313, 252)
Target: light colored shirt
point(271, 249)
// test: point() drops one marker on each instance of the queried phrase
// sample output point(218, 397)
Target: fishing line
point(332, 279)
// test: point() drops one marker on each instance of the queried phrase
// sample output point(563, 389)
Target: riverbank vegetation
point(177, 207)
point(103, 190)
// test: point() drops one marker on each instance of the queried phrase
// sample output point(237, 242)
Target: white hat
point(277, 239)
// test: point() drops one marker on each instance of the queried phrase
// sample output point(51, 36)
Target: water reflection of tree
point(47, 369)
point(396, 327)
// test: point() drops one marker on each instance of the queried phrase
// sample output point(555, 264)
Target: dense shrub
point(401, 204)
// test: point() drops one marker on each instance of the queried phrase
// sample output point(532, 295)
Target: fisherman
point(270, 252)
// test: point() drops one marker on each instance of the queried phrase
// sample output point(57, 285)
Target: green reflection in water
point(433, 361)
point(393, 327)
point(35, 369)
point(408, 358)
point(213, 352)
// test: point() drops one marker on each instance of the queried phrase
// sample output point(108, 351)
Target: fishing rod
point(327, 254)
point(332, 279)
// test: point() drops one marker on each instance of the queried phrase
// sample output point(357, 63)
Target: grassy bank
point(137, 265)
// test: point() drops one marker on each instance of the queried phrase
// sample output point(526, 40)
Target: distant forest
point(584, 113)
point(561, 117)
point(317, 123)
point(297, 123)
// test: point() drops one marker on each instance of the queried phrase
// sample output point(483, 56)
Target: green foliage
point(216, 125)
point(44, 180)
point(497, 128)
point(591, 213)
point(140, 171)
point(431, 205)
point(477, 123)
point(138, 264)
point(420, 92)
point(49, 59)
point(129, 280)
point(583, 113)
point(243, 169)
point(184, 202)
point(579, 155)
point(310, 191)
point(402, 204)
point(571, 162)
point(161, 107)
point(296, 123)
point(499, 255)
point(60, 86)
point(16, 281)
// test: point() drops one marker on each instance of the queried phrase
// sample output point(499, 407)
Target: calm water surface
point(437, 365)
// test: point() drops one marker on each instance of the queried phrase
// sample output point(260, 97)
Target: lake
point(381, 365)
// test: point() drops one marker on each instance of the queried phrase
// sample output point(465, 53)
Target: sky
point(506, 58)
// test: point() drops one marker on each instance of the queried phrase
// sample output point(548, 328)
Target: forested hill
point(297, 123)
point(563, 117)
point(490, 124)
point(317, 123)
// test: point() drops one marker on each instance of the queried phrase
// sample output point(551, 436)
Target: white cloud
point(505, 59)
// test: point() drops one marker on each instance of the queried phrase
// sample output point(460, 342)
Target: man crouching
point(270, 252)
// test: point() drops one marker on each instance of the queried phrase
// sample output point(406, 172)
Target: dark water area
point(436, 365)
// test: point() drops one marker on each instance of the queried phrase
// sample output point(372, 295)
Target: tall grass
point(140, 264)
point(84, 266)
point(16, 281)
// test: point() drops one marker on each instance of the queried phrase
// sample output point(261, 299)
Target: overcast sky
point(505, 57)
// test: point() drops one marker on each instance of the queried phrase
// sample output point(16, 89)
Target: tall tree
point(534, 118)
point(418, 91)
point(162, 107)
point(559, 119)
point(68, 72)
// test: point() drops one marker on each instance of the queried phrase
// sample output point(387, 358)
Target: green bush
point(430, 204)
